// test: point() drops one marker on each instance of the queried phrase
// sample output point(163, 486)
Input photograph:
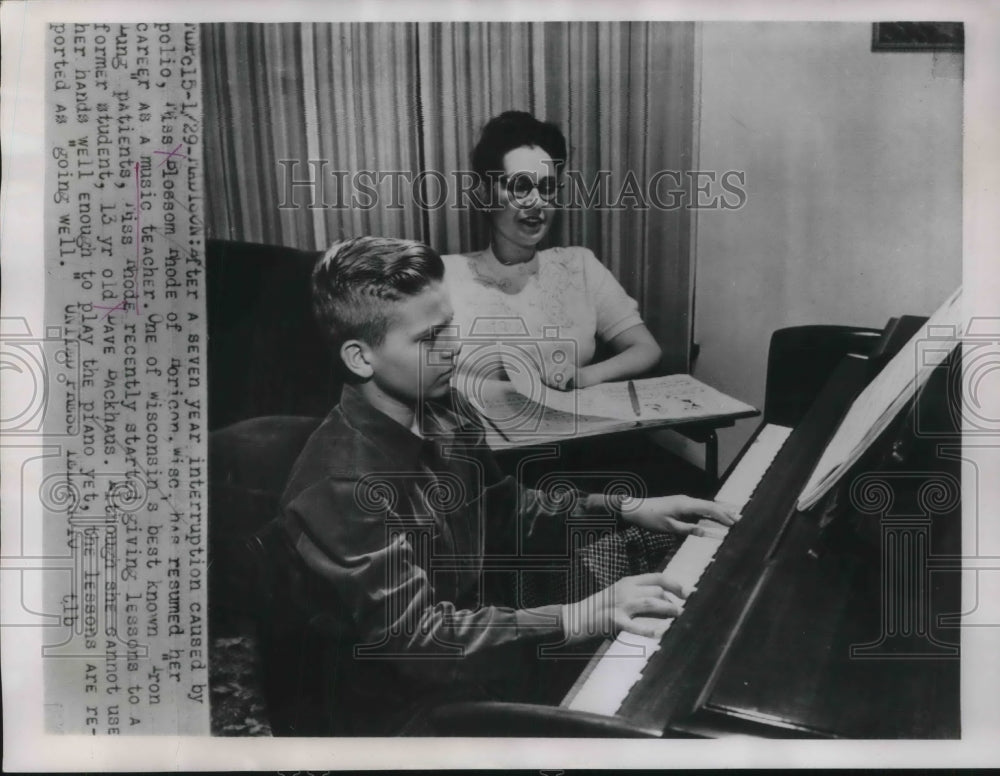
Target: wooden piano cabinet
point(838, 622)
point(845, 636)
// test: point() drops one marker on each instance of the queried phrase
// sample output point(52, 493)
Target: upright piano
point(838, 622)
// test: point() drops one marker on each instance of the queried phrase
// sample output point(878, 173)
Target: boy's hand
point(676, 514)
point(622, 606)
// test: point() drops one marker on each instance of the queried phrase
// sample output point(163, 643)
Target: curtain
point(283, 106)
point(401, 106)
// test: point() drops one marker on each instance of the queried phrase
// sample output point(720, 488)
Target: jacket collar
point(377, 427)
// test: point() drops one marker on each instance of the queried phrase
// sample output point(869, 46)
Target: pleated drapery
point(399, 106)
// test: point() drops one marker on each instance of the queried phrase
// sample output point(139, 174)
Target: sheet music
point(880, 402)
point(679, 397)
point(516, 416)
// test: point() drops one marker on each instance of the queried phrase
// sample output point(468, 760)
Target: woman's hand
point(585, 377)
point(636, 352)
point(570, 378)
point(678, 514)
point(564, 377)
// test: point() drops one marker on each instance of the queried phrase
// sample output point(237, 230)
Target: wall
point(853, 181)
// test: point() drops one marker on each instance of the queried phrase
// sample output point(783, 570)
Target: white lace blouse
point(564, 299)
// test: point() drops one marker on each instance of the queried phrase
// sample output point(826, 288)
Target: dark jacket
point(414, 539)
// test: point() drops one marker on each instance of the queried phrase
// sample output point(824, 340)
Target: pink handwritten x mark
point(170, 154)
point(119, 306)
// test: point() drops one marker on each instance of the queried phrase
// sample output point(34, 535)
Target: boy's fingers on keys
point(675, 587)
point(652, 607)
point(721, 512)
point(663, 593)
point(650, 627)
point(653, 591)
point(709, 531)
point(649, 578)
point(665, 586)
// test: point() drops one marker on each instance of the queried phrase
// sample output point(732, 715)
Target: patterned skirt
point(597, 565)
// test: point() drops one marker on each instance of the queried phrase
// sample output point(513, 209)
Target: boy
point(399, 512)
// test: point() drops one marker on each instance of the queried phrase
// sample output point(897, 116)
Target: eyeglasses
point(521, 185)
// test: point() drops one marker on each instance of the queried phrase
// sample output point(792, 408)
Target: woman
point(558, 295)
point(512, 292)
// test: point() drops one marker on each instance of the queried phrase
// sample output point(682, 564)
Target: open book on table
point(523, 406)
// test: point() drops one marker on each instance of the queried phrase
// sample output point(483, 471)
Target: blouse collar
point(523, 267)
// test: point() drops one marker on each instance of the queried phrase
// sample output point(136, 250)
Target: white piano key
point(691, 560)
point(618, 670)
point(741, 483)
point(622, 664)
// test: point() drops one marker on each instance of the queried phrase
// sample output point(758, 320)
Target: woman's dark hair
point(514, 129)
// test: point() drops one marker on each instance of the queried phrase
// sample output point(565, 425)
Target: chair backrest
point(299, 637)
point(266, 355)
point(799, 362)
point(258, 579)
point(249, 463)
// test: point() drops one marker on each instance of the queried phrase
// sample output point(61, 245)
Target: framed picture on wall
point(918, 36)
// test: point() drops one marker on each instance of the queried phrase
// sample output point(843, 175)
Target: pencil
point(634, 398)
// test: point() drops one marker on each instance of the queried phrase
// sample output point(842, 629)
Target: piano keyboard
point(622, 663)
